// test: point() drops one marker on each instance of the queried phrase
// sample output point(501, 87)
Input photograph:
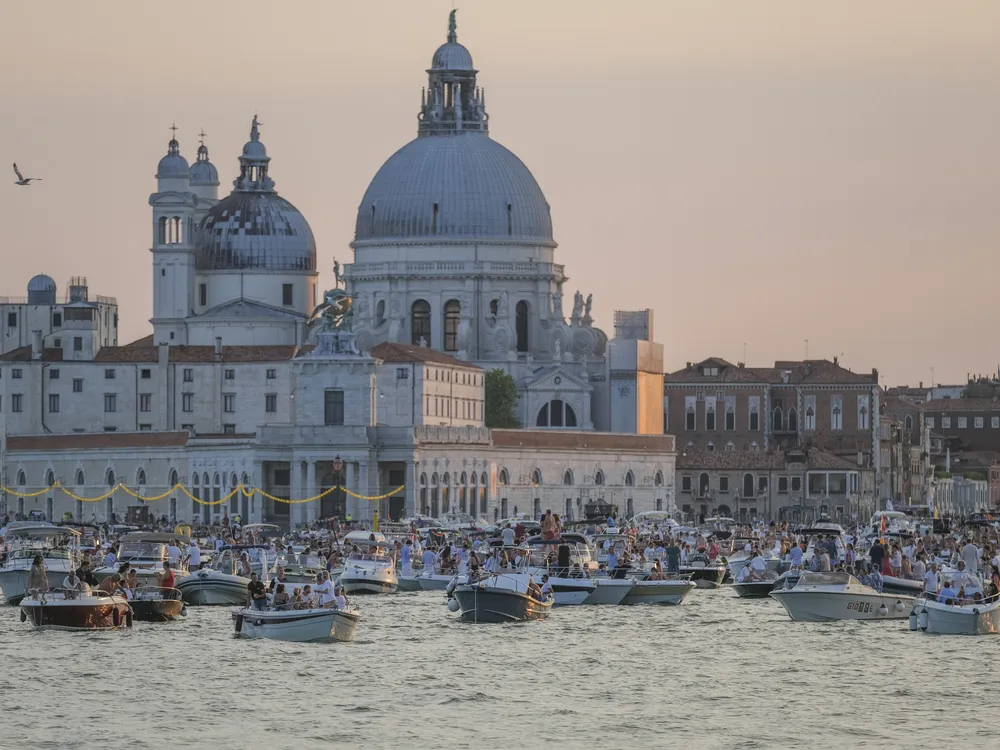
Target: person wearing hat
point(339, 599)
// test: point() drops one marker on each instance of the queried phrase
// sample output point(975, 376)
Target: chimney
point(921, 384)
point(164, 354)
point(688, 365)
point(861, 458)
point(36, 345)
point(218, 348)
point(836, 360)
point(875, 375)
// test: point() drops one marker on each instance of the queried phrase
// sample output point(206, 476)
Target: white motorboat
point(609, 590)
point(564, 560)
point(369, 573)
point(299, 567)
point(500, 598)
point(667, 591)
point(431, 580)
point(408, 582)
point(23, 543)
point(820, 597)
point(318, 624)
point(222, 584)
point(145, 552)
point(978, 618)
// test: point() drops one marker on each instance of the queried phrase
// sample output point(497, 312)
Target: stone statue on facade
point(557, 349)
point(337, 277)
point(577, 308)
point(557, 305)
point(503, 306)
point(587, 318)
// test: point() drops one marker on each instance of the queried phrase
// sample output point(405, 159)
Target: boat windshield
point(303, 559)
point(369, 557)
point(50, 542)
point(824, 579)
point(143, 551)
point(543, 555)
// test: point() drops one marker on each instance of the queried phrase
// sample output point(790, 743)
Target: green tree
point(501, 400)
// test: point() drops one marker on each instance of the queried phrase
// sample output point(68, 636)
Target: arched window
point(503, 478)
point(445, 493)
point(754, 447)
point(110, 477)
point(837, 419)
point(599, 478)
point(908, 422)
point(22, 479)
point(629, 479)
point(710, 447)
point(494, 306)
point(463, 492)
point(703, 484)
point(140, 478)
point(420, 323)
point(710, 416)
point(80, 478)
point(234, 500)
point(748, 485)
point(776, 419)
point(730, 447)
point(730, 419)
point(50, 478)
point(521, 325)
point(556, 413)
point(217, 493)
point(380, 312)
point(568, 478)
point(173, 478)
point(483, 497)
point(810, 423)
point(161, 233)
point(424, 508)
point(536, 478)
point(452, 313)
point(658, 479)
point(793, 420)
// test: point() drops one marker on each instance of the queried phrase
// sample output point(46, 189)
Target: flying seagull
point(21, 179)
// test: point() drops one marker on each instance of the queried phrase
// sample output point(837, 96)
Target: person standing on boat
point(165, 578)
point(339, 598)
point(323, 589)
point(38, 580)
point(971, 554)
point(405, 558)
point(258, 596)
point(612, 560)
point(173, 552)
point(429, 559)
point(877, 553)
point(507, 535)
point(193, 555)
point(931, 581)
point(111, 559)
point(673, 553)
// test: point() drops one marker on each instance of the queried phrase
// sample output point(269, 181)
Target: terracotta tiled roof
point(823, 460)
point(97, 441)
point(393, 352)
point(810, 371)
point(23, 354)
point(960, 404)
point(196, 354)
point(144, 342)
point(583, 441)
point(696, 460)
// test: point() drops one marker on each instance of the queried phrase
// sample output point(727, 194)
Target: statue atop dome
point(452, 36)
point(254, 132)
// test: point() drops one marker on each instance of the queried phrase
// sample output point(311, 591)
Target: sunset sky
point(758, 173)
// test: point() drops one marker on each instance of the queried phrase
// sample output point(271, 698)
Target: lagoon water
point(715, 672)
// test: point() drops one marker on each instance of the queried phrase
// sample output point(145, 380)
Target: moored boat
point(23, 543)
point(369, 573)
point(318, 624)
point(157, 604)
point(819, 597)
point(609, 590)
point(55, 610)
point(977, 618)
point(501, 598)
point(666, 591)
point(756, 585)
point(221, 584)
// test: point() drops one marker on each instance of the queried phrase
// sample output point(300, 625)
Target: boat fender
point(128, 619)
point(899, 606)
point(975, 610)
point(258, 623)
point(913, 619)
point(922, 618)
point(239, 623)
point(452, 606)
point(116, 617)
point(23, 616)
point(883, 610)
point(184, 611)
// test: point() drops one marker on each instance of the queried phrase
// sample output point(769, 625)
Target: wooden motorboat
point(157, 604)
point(57, 610)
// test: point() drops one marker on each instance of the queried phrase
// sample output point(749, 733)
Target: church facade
point(248, 379)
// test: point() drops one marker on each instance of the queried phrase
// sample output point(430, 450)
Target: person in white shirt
point(931, 582)
point(971, 555)
point(546, 586)
point(404, 558)
point(508, 536)
point(110, 559)
point(429, 559)
point(323, 589)
point(193, 555)
point(757, 564)
point(73, 586)
point(492, 563)
point(745, 574)
point(339, 600)
point(173, 553)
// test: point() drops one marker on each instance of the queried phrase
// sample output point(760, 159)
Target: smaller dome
point(42, 290)
point(173, 164)
point(254, 150)
point(203, 172)
point(452, 56)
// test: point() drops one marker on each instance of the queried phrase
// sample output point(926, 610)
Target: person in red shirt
point(166, 578)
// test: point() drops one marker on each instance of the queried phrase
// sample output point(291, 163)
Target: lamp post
point(338, 466)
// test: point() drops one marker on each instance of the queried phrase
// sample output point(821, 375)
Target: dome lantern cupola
point(203, 172)
point(173, 166)
point(452, 103)
point(253, 164)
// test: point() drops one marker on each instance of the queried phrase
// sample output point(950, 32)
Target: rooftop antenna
point(744, 352)
point(932, 377)
point(807, 348)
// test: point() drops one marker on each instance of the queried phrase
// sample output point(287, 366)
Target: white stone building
point(454, 274)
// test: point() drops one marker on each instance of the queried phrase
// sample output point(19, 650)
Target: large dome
point(254, 230)
point(464, 186)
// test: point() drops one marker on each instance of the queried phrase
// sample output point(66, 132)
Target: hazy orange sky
point(760, 172)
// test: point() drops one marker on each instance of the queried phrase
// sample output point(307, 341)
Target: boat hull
point(157, 610)
point(753, 589)
point(208, 589)
point(297, 626)
point(967, 619)
point(408, 583)
point(435, 582)
point(496, 605)
point(705, 578)
point(610, 591)
point(828, 606)
point(367, 580)
point(88, 613)
point(659, 592)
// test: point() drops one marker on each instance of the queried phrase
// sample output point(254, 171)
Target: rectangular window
point(203, 294)
point(111, 429)
point(930, 422)
point(689, 423)
point(188, 375)
point(228, 429)
point(109, 374)
point(16, 373)
point(994, 422)
point(187, 402)
point(686, 484)
point(229, 403)
point(945, 422)
point(978, 422)
point(145, 402)
point(333, 406)
point(53, 374)
point(782, 485)
point(271, 403)
point(110, 403)
point(15, 402)
point(796, 484)
point(710, 419)
point(272, 373)
point(145, 373)
point(286, 294)
point(53, 403)
point(723, 484)
point(761, 484)
point(963, 423)
point(230, 374)
point(78, 343)
point(12, 320)
point(57, 343)
point(730, 420)
point(77, 385)
point(56, 320)
point(145, 427)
